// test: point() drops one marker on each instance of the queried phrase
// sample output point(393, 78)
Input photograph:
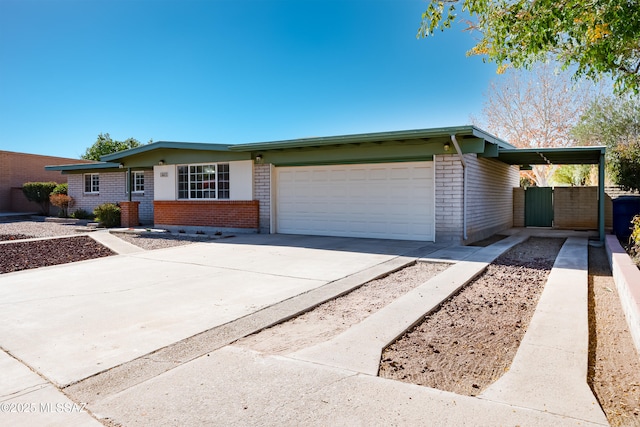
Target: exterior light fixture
point(447, 146)
point(161, 162)
point(121, 165)
point(259, 158)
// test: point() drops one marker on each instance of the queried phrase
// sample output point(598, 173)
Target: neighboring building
point(446, 184)
point(18, 168)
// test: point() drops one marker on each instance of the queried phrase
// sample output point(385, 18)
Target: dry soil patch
point(614, 364)
point(470, 341)
point(335, 316)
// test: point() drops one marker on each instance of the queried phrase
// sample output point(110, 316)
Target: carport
point(525, 157)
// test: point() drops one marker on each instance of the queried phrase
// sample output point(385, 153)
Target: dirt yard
point(614, 364)
point(337, 315)
point(470, 341)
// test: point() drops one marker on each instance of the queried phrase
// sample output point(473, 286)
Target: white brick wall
point(112, 190)
point(490, 186)
point(449, 192)
point(262, 193)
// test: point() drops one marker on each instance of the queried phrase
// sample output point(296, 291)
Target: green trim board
point(557, 156)
point(354, 153)
point(83, 167)
point(181, 156)
point(165, 144)
point(419, 135)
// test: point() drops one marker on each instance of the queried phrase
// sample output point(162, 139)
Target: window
point(203, 181)
point(138, 182)
point(92, 183)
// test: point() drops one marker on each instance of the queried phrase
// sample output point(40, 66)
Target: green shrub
point(635, 232)
point(61, 189)
point(108, 214)
point(39, 192)
point(82, 214)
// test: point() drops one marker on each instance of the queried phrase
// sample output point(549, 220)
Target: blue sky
point(225, 71)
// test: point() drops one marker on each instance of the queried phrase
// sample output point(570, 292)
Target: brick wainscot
point(224, 214)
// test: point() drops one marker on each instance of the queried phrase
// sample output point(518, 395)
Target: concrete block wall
point(518, 207)
point(449, 192)
point(575, 208)
point(262, 193)
point(490, 185)
point(112, 190)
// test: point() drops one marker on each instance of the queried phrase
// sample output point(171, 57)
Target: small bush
point(635, 235)
point(82, 214)
point(39, 192)
point(62, 201)
point(108, 214)
point(61, 189)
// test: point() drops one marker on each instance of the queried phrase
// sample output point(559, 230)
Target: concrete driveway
point(69, 322)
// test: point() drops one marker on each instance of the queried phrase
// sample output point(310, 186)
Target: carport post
point(601, 197)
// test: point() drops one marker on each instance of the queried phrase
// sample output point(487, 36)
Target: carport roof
point(557, 156)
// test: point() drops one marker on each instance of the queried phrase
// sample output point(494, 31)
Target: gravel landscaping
point(20, 255)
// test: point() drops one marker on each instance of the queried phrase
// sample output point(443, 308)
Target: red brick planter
point(207, 213)
point(129, 214)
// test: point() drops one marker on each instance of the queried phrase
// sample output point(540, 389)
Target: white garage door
point(387, 200)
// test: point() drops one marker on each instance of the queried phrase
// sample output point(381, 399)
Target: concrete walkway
point(549, 370)
point(359, 347)
point(212, 383)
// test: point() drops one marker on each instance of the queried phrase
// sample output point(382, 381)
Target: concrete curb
point(359, 347)
point(627, 278)
point(117, 245)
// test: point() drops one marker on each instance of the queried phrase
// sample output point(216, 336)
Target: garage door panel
point(382, 200)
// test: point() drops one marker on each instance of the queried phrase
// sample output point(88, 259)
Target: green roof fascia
point(366, 152)
point(552, 155)
point(491, 138)
point(83, 167)
point(165, 144)
point(181, 156)
point(417, 134)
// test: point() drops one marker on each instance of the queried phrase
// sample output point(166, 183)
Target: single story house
point(445, 184)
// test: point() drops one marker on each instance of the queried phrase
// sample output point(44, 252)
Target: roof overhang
point(164, 144)
point(83, 167)
point(405, 135)
point(555, 156)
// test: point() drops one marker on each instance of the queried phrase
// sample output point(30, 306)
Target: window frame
point(133, 176)
point(94, 185)
point(221, 177)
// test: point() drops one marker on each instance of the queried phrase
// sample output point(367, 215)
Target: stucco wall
point(112, 190)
